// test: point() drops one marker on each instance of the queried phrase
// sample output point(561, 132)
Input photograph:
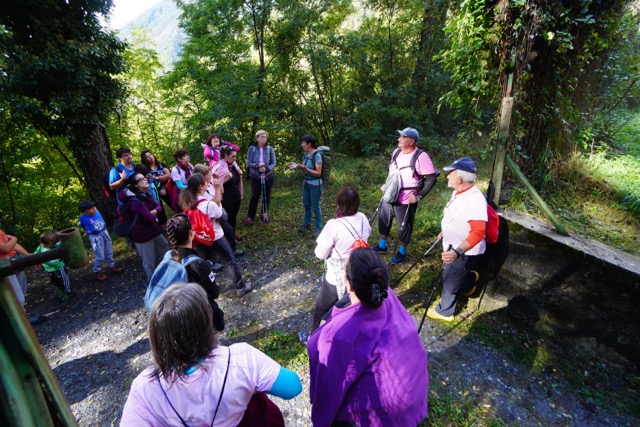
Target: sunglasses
point(141, 179)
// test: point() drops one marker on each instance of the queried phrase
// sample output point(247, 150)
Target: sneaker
point(433, 314)
point(380, 250)
point(398, 258)
point(303, 227)
point(238, 252)
point(100, 277)
point(316, 232)
point(217, 267)
point(303, 337)
point(247, 288)
point(248, 221)
point(116, 270)
point(35, 320)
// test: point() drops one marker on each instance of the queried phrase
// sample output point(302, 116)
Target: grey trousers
point(151, 253)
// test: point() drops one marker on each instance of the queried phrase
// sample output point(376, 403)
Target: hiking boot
point(248, 221)
point(303, 227)
point(116, 270)
point(238, 252)
point(217, 267)
point(433, 314)
point(243, 291)
point(380, 250)
point(100, 277)
point(316, 232)
point(398, 258)
point(303, 337)
point(36, 320)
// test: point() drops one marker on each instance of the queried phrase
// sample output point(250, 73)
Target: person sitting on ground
point(180, 236)
point(463, 238)
point(261, 160)
point(367, 364)
point(311, 183)
point(193, 197)
point(140, 212)
point(58, 272)
point(96, 228)
point(180, 173)
point(335, 243)
point(196, 381)
point(212, 149)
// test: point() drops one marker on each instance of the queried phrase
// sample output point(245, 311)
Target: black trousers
point(405, 215)
point(256, 191)
point(222, 248)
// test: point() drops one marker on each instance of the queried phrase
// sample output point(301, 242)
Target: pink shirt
point(196, 397)
point(424, 166)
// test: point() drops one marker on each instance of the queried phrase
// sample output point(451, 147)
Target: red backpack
point(359, 242)
point(201, 226)
point(493, 224)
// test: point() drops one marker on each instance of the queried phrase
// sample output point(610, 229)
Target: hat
point(463, 164)
point(410, 133)
point(85, 204)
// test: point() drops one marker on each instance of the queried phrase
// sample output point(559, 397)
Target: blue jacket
point(253, 158)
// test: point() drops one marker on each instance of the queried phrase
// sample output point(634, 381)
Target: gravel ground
point(96, 344)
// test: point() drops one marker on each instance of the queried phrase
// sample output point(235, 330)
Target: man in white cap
point(463, 237)
point(417, 177)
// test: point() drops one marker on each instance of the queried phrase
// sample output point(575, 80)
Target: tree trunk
point(93, 155)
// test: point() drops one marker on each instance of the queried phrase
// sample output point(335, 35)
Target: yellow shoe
point(433, 314)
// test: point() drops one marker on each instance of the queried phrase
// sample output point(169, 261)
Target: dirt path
point(96, 344)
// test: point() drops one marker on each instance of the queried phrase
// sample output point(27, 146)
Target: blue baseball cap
point(463, 164)
point(409, 133)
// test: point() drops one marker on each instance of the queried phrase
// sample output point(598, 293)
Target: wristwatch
point(459, 252)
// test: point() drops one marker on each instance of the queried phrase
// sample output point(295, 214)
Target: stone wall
point(570, 288)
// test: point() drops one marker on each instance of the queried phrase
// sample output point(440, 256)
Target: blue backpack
point(168, 272)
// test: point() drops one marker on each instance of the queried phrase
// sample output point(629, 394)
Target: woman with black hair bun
point(180, 235)
point(367, 364)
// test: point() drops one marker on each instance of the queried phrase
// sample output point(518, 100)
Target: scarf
point(186, 168)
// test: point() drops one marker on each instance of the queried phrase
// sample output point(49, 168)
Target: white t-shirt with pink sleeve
point(423, 166)
point(213, 211)
point(195, 398)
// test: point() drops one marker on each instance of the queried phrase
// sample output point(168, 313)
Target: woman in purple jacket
point(141, 213)
point(367, 364)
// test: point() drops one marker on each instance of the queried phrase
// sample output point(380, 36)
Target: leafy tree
point(58, 68)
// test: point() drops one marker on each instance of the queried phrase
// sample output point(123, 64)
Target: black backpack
point(106, 188)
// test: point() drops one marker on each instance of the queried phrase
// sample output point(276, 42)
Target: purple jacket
point(137, 213)
point(368, 367)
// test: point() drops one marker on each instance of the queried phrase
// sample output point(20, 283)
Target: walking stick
point(433, 291)
point(263, 185)
point(417, 261)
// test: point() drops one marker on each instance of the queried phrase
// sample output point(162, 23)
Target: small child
point(56, 268)
point(96, 228)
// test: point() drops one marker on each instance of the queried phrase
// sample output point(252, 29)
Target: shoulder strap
point(189, 259)
point(223, 384)
point(415, 158)
point(395, 155)
point(350, 227)
point(171, 404)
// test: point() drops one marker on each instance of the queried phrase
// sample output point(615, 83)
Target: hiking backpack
point(168, 272)
point(393, 184)
point(106, 189)
point(201, 226)
point(325, 152)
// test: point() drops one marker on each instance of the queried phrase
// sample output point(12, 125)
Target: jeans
point(151, 253)
point(311, 197)
point(102, 248)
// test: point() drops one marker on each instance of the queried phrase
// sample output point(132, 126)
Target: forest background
point(351, 72)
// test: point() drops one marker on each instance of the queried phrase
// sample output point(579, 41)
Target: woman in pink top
point(196, 381)
point(212, 149)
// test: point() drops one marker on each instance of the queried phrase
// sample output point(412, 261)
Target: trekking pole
point(263, 185)
point(375, 212)
point(414, 264)
point(433, 292)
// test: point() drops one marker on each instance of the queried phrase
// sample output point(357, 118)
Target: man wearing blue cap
point(463, 237)
point(417, 176)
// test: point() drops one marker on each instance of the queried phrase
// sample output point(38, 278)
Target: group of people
point(367, 364)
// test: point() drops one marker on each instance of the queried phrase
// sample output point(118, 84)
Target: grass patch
point(448, 411)
point(284, 349)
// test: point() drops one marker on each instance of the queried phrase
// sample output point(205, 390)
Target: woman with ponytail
point(367, 364)
point(192, 197)
point(180, 236)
